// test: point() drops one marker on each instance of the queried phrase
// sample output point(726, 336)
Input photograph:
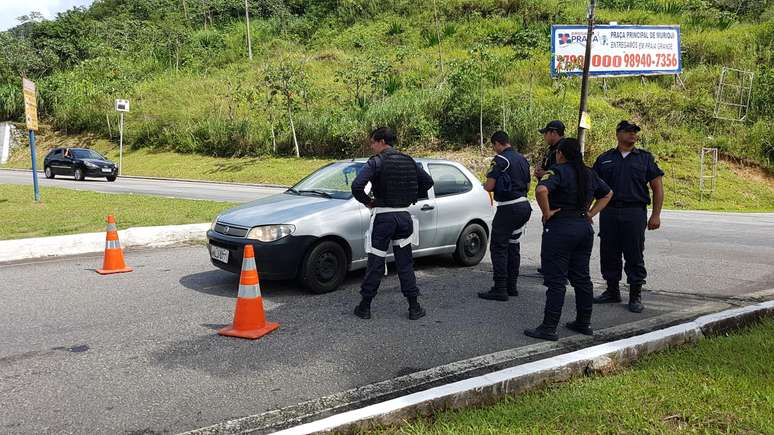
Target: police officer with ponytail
point(397, 182)
point(565, 197)
point(508, 178)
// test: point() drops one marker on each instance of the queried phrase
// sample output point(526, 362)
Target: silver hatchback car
point(315, 231)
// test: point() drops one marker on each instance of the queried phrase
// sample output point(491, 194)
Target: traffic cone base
point(112, 271)
point(249, 320)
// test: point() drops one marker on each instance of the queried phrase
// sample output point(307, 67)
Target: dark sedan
point(79, 163)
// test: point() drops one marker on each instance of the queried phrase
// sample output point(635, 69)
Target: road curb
point(88, 243)
point(492, 386)
point(180, 180)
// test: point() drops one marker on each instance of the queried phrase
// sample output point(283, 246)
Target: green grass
point(720, 385)
point(65, 211)
point(146, 162)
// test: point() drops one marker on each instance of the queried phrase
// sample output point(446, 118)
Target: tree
point(287, 78)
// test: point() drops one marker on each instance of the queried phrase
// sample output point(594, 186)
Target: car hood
point(98, 162)
point(283, 208)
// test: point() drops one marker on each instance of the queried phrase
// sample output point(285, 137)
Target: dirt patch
point(749, 171)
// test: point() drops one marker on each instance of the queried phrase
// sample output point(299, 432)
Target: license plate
point(107, 170)
point(219, 254)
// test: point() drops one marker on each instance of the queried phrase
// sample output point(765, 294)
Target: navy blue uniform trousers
point(565, 254)
point(504, 246)
point(622, 232)
point(388, 227)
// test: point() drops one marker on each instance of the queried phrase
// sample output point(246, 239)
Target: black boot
point(496, 293)
point(581, 324)
point(635, 303)
point(512, 290)
point(363, 309)
point(415, 310)
point(547, 329)
point(611, 295)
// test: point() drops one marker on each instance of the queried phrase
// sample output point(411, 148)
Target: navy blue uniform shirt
point(517, 167)
point(628, 177)
point(371, 171)
point(562, 185)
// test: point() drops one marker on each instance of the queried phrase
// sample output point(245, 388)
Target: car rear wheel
point(324, 267)
point(111, 178)
point(471, 246)
point(49, 173)
point(78, 174)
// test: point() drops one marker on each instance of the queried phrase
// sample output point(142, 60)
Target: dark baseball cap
point(553, 125)
point(627, 126)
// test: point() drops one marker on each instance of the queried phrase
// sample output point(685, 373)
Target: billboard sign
point(616, 50)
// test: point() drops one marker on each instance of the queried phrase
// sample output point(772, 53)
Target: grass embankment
point(64, 211)
point(720, 385)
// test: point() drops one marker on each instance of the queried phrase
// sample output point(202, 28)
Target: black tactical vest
point(398, 185)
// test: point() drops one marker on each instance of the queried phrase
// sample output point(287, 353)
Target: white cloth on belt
point(413, 238)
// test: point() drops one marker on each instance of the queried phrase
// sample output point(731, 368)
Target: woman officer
point(568, 236)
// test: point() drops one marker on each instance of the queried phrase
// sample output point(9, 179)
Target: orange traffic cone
point(249, 318)
point(114, 256)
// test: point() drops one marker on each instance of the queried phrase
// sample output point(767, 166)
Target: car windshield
point(86, 154)
point(331, 181)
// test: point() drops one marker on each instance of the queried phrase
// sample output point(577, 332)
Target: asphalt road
point(146, 186)
point(137, 353)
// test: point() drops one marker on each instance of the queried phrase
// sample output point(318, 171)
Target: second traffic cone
point(249, 318)
point(114, 256)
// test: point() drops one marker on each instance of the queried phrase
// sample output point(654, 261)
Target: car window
point(448, 180)
point(335, 180)
point(421, 195)
point(55, 153)
point(86, 154)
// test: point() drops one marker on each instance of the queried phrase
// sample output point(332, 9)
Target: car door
point(427, 215)
point(450, 185)
point(55, 161)
point(68, 163)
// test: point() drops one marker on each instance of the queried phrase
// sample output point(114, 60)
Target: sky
point(11, 9)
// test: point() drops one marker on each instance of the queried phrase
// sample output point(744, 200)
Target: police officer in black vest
point(508, 178)
point(552, 133)
point(564, 196)
point(397, 182)
point(628, 171)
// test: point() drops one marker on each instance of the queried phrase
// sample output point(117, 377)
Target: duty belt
point(513, 201)
point(626, 204)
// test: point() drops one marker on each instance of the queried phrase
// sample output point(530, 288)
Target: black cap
point(627, 126)
point(554, 125)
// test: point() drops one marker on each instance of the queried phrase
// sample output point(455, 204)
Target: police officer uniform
point(397, 181)
point(513, 211)
point(567, 240)
point(549, 159)
point(622, 224)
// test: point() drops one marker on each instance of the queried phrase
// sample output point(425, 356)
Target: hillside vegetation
point(333, 69)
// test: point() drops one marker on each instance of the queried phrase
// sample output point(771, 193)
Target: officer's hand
point(539, 172)
point(549, 214)
point(654, 222)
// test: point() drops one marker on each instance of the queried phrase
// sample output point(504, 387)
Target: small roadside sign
point(30, 104)
point(122, 105)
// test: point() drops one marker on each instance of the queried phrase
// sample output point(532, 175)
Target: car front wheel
point(49, 173)
point(111, 178)
point(471, 246)
point(324, 267)
point(79, 174)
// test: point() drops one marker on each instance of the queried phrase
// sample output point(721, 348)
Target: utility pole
point(585, 81)
point(247, 22)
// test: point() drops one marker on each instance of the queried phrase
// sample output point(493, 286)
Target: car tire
point(111, 178)
point(471, 245)
point(49, 173)
point(78, 174)
point(324, 267)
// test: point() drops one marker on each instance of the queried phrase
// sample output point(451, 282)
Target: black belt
point(569, 213)
point(626, 204)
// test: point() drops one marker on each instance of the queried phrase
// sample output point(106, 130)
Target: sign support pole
point(121, 145)
point(34, 166)
point(585, 80)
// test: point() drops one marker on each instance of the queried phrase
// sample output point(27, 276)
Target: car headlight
point(214, 221)
point(91, 165)
point(270, 233)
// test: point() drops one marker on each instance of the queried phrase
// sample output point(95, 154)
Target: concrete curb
point(181, 180)
point(491, 387)
point(503, 373)
point(87, 243)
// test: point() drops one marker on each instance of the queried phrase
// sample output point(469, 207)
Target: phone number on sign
point(659, 60)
